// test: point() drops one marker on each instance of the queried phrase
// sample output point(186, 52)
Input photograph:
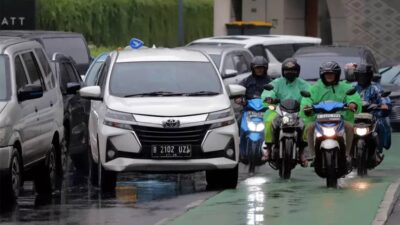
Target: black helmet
point(290, 69)
point(364, 74)
point(349, 69)
point(259, 61)
point(330, 67)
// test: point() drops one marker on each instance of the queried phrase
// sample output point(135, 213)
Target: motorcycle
point(285, 155)
point(366, 138)
point(329, 135)
point(252, 133)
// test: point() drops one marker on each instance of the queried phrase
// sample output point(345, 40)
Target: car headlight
point(115, 115)
point(112, 115)
point(220, 114)
point(361, 131)
point(256, 127)
point(329, 131)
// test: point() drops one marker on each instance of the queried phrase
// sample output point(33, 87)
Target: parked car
point(67, 43)
point(92, 74)
point(275, 48)
point(391, 82)
point(31, 112)
point(76, 110)
point(163, 110)
point(311, 58)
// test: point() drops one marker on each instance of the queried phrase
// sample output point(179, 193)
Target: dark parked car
point(391, 82)
point(76, 112)
point(310, 58)
point(67, 43)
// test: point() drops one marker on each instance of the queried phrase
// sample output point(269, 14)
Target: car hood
point(168, 106)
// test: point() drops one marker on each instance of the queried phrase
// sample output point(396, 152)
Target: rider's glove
point(352, 107)
point(308, 110)
point(269, 100)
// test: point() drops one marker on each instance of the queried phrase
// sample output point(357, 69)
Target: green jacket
point(319, 92)
point(284, 90)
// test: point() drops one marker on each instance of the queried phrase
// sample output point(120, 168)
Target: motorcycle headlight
point(271, 107)
point(256, 127)
point(329, 131)
point(285, 119)
point(361, 131)
point(220, 114)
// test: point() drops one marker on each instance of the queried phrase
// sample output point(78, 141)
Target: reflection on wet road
point(76, 204)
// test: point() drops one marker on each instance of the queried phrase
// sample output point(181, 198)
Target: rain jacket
point(371, 95)
point(319, 92)
point(255, 85)
point(284, 90)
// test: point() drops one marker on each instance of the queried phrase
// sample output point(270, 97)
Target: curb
point(387, 204)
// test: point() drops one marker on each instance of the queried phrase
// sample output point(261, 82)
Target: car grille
point(187, 135)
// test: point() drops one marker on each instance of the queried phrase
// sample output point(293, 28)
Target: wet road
point(167, 199)
point(303, 200)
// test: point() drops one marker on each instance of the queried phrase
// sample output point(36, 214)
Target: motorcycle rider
point(370, 92)
point(286, 87)
point(328, 87)
point(254, 83)
point(349, 69)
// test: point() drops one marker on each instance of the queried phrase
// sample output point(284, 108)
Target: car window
point(228, 63)
point(258, 50)
point(70, 46)
point(33, 69)
point(281, 52)
point(216, 59)
point(50, 80)
point(248, 57)
point(135, 78)
point(240, 63)
point(103, 74)
point(93, 74)
point(4, 78)
point(302, 45)
point(20, 74)
point(71, 72)
point(390, 75)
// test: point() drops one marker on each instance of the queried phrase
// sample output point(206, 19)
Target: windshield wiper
point(202, 93)
point(155, 93)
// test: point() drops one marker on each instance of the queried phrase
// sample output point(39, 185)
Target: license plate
point(329, 116)
point(171, 151)
point(255, 114)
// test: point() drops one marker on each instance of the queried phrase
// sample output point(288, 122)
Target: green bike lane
point(302, 200)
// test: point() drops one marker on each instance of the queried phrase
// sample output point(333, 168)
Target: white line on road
point(386, 207)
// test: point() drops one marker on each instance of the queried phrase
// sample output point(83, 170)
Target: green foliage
point(115, 22)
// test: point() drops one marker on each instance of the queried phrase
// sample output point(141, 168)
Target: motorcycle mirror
point(305, 94)
point(386, 94)
point(268, 87)
point(351, 91)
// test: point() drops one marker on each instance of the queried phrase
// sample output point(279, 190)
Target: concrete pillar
point(222, 15)
point(276, 14)
point(254, 10)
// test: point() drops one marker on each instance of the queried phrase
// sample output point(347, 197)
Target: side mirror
point(91, 93)
point(73, 88)
point(386, 94)
point(351, 91)
point(305, 94)
point(268, 87)
point(236, 90)
point(28, 92)
point(229, 73)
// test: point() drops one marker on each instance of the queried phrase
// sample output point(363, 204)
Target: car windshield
point(164, 79)
point(71, 46)
point(4, 86)
point(216, 59)
point(310, 65)
point(390, 75)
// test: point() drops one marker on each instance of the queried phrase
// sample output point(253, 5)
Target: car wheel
point(108, 179)
point(224, 178)
point(48, 175)
point(11, 180)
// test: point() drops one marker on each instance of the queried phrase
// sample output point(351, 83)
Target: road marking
point(387, 205)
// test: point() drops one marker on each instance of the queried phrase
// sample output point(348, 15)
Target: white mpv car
point(162, 110)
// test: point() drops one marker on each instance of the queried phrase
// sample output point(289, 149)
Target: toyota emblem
point(172, 123)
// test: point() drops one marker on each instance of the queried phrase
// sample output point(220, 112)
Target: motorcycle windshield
point(329, 106)
point(255, 104)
